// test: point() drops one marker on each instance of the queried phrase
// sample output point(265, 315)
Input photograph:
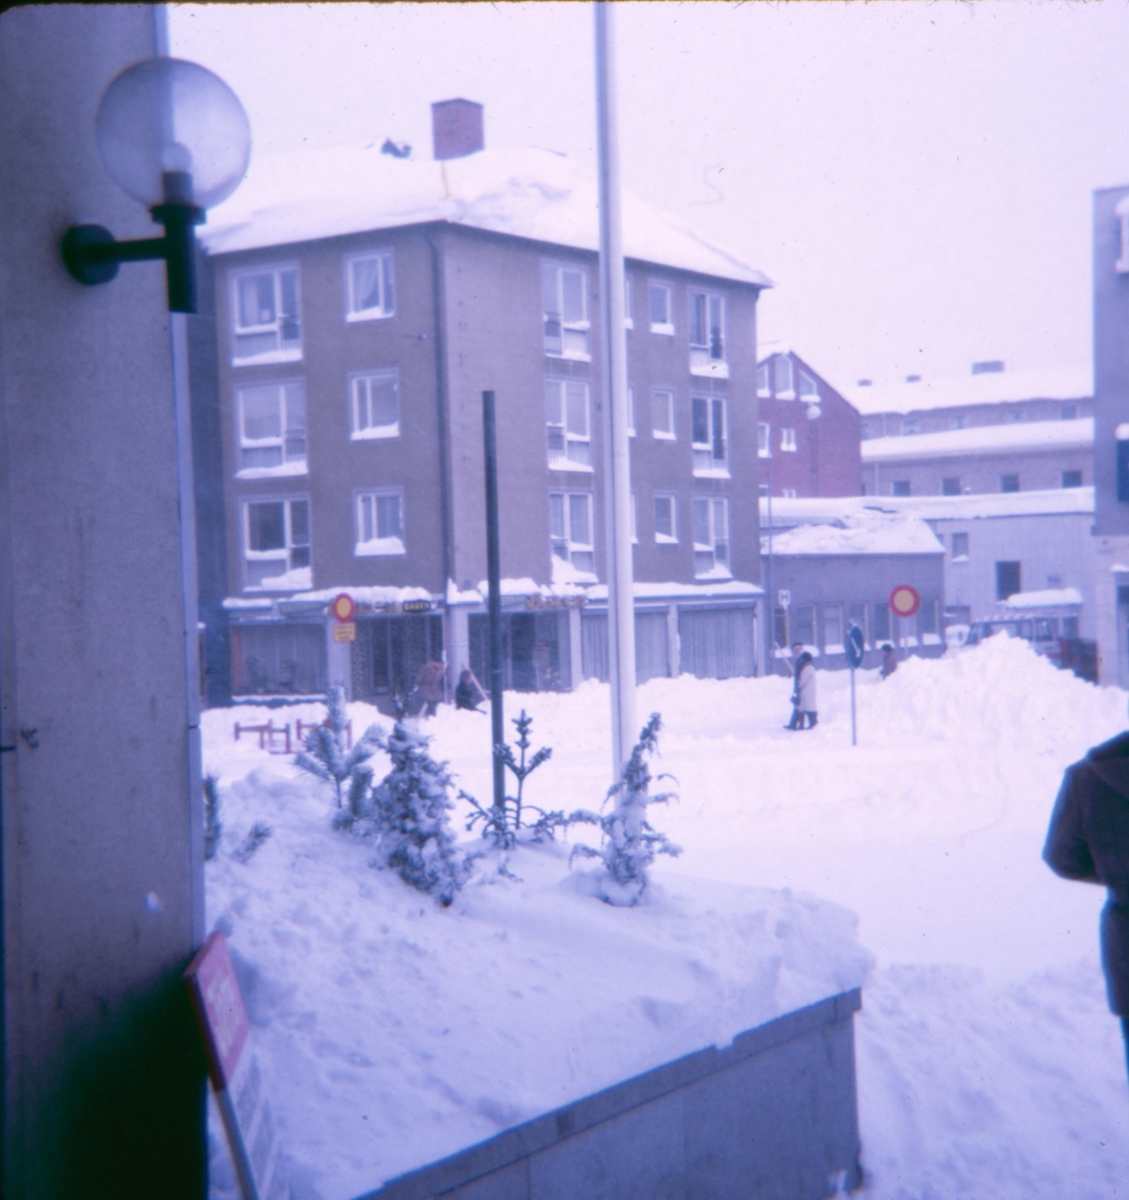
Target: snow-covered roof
point(824, 510)
point(983, 439)
point(1047, 598)
point(864, 534)
point(531, 193)
point(683, 591)
point(992, 387)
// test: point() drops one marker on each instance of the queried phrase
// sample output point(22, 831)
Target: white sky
point(915, 177)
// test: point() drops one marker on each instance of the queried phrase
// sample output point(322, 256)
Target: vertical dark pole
point(494, 579)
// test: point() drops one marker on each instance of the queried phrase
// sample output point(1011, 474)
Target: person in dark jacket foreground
point(1089, 840)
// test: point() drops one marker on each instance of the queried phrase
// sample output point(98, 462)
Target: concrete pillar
point(674, 644)
point(338, 660)
point(102, 852)
point(575, 647)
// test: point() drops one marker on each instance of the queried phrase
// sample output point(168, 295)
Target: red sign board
point(904, 600)
point(219, 1008)
point(343, 607)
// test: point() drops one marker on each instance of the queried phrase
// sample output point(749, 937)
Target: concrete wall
point(774, 1116)
point(101, 825)
point(979, 473)
point(970, 416)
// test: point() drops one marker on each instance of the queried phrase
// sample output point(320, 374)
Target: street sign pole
point(854, 736)
point(854, 649)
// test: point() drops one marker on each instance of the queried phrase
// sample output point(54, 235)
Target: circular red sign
point(343, 607)
point(904, 600)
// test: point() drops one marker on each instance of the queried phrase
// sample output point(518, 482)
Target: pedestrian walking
point(1088, 840)
point(889, 661)
point(797, 721)
point(805, 690)
point(429, 685)
point(468, 692)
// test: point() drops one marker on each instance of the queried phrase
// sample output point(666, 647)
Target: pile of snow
point(393, 1032)
point(860, 533)
point(1047, 597)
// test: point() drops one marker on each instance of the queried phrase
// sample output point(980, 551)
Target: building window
point(564, 295)
point(707, 333)
point(628, 307)
point(1009, 483)
point(662, 414)
point(950, 486)
point(788, 494)
point(1068, 412)
point(277, 539)
point(570, 529)
point(376, 405)
point(380, 522)
point(958, 422)
point(666, 519)
point(808, 390)
point(634, 520)
point(864, 430)
point(371, 293)
point(272, 430)
point(711, 537)
point(708, 436)
point(911, 425)
point(785, 387)
point(265, 304)
point(788, 440)
point(570, 435)
point(1017, 415)
point(1071, 479)
point(764, 391)
point(1007, 580)
point(960, 547)
point(631, 410)
point(661, 300)
point(900, 487)
point(764, 442)
point(833, 629)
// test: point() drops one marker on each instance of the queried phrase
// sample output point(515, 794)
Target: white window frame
point(360, 405)
point(386, 307)
point(764, 439)
point(959, 550)
point(911, 426)
point(575, 452)
point(706, 463)
point(563, 542)
point(788, 441)
point(366, 516)
point(576, 329)
point(670, 500)
point(284, 349)
point(788, 494)
point(289, 556)
point(634, 521)
point(291, 397)
point(707, 351)
point(666, 328)
point(663, 396)
point(628, 316)
point(764, 385)
point(631, 410)
point(717, 548)
point(809, 389)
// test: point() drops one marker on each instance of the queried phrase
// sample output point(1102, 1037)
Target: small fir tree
point(629, 842)
point(257, 835)
point(501, 826)
point(213, 826)
point(327, 756)
point(411, 812)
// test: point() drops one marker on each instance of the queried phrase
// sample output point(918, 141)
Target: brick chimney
point(456, 128)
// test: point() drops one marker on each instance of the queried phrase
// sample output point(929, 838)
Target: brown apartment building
point(363, 303)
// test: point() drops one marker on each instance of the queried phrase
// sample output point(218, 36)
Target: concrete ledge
point(774, 1114)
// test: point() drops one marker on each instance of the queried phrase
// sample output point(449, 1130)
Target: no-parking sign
point(904, 600)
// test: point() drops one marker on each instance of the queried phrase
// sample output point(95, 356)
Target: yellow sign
point(345, 631)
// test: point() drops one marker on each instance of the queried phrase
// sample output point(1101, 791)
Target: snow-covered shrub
point(256, 836)
point(501, 826)
point(410, 809)
point(629, 842)
point(213, 826)
point(327, 756)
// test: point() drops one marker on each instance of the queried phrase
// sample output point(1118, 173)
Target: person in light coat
point(1088, 840)
point(805, 690)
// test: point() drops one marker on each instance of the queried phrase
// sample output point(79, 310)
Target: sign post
point(235, 1076)
point(854, 658)
point(344, 610)
point(904, 602)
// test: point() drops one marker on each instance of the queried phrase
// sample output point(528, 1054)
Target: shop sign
point(416, 606)
point(345, 631)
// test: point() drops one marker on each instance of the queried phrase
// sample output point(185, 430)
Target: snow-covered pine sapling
point(500, 826)
point(213, 826)
point(629, 842)
point(327, 756)
point(256, 836)
point(411, 807)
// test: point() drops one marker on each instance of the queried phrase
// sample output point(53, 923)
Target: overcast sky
point(916, 178)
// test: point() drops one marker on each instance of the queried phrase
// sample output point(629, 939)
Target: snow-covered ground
point(394, 1032)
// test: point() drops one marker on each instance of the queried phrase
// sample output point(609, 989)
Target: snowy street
point(989, 1065)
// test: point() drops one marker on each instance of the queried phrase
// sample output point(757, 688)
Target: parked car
point(1050, 629)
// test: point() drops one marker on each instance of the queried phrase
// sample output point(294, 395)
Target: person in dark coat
point(469, 693)
point(889, 661)
point(1088, 840)
point(797, 721)
point(805, 690)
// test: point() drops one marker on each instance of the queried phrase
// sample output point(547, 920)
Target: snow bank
point(395, 1032)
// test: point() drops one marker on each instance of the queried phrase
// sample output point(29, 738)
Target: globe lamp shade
point(170, 131)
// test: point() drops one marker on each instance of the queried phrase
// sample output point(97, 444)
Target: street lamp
point(174, 137)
